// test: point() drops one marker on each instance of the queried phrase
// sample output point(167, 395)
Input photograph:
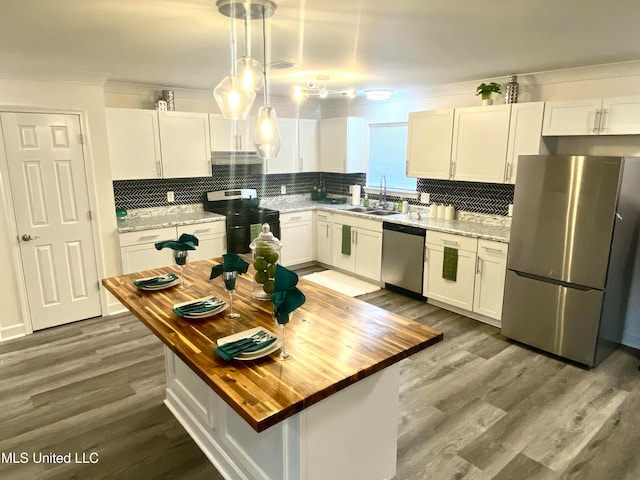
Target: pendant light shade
point(266, 136)
point(233, 100)
point(249, 72)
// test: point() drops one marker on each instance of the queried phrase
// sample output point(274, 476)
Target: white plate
point(195, 315)
point(157, 287)
point(268, 350)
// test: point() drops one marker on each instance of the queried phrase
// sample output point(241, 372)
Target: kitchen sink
point(358, 209)
point(381, 213)
point(370, 211)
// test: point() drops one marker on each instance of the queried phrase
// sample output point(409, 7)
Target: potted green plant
point(486, 89)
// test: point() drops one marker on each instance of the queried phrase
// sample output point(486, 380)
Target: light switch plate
point(425, 197)
point(171, 197)
point(283, 189)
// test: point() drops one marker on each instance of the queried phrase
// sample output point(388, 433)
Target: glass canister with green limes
point(265, 250)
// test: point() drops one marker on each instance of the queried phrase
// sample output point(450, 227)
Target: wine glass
point(181, 257)
point(229, 279)
point(282, 322)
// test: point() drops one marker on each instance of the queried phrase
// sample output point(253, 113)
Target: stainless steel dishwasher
point(403, 256)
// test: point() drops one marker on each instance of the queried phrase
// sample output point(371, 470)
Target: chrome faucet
point(383, 193)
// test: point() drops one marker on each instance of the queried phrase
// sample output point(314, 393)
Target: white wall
point(87, 100)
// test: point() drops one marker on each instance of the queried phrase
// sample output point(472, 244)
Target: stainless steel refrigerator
point(573, 241)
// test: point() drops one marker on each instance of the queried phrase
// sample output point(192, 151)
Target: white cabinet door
point(138, 249)
point(296, 232)
point(620, 116)
point(368, 253)
point(184, 139)
point(308, 145)
point(490, 277)
point(525, 135)
point(339, 259)
point(134, 143)
point(212, 239)
point(480, 138)
point(323, 237)
point(429, 144)
point(287, 159)
point(572, 117)
point(342, 145)
point(458, 293)
point(231, 135)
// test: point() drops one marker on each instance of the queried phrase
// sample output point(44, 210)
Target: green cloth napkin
point(255, 230)
point(450, 264)
point(185, 242)
point(231, 350)
point(231, 262)
point(286, 296)
point(346, 239)
point(156, 281)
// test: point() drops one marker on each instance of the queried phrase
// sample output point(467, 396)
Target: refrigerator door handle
point(552, 281)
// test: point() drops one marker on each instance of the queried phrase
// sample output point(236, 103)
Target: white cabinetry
point(525, 135)
point(298, 148)
point(458, 293)
point(139, 253)
point(134, 143)
point(595, 116)
point(429, 144)
point(307, 145)
point(323, 237)
point(342, 145)
point(296, 232)
point(480, 139)
point(490, 276)
point(152, 144)
point(184, 139)
point(231, 135)
point(366, 246)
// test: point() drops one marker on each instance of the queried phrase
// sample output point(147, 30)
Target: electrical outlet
point(511, 210)
point(171, 197)
point(425, 197)
point(283, 189)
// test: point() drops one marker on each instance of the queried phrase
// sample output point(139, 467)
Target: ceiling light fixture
point(319, 89)
point(378, 94)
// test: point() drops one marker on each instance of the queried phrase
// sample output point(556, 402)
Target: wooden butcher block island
point(329, 411)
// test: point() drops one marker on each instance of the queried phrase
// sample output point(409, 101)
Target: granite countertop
point(149, 218)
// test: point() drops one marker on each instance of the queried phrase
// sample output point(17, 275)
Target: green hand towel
point(255, 230)
point(450, 264)
point(286, 296)
point(185, 242)
point(346, 240)
point(231, 262)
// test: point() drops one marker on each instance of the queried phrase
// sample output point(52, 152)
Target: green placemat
point(346, 239)
point(450, 264)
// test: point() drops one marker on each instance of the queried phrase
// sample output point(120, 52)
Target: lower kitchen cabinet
point(138, 250)
point(490, 276)
point(296, 232)
point(366, 246)
point(458, 293)
point(323, 237)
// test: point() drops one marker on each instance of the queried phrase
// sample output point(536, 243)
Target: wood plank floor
point(475, 406)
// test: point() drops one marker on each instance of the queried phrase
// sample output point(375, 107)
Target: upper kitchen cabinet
point(480, 140)
point(298, 147)
point(525, 135)
point(152, 144)
point(429, 144)
point(184, 139)
point(596, 116)
point(342, 145)
point(231, 135)
point(134, 143)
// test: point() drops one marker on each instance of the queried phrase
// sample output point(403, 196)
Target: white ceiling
point(358, 43)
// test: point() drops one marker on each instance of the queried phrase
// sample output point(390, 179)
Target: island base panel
point(351, 434)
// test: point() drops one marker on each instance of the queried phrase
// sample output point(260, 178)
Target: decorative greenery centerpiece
point(486, 89)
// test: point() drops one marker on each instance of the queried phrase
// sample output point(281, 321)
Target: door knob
point(27, 238)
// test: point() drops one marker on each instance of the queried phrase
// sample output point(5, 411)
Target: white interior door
point(51, 203)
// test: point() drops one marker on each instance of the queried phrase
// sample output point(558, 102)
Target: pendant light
point(266, 136)
point(249, 70)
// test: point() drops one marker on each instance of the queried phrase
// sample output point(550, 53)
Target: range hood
point(235, 158)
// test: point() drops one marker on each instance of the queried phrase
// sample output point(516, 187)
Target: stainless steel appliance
point(575, 221)
point(240, 206)
point(403, 256)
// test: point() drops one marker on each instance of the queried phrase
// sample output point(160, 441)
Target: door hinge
point(90, 215)
point(81, 138)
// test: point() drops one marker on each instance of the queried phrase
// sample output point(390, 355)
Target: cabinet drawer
point(488, 247)
point(147, 236)
point(323, 216)
point(295, 217)
point(202, 228)
point(358, 222)
point(451, 240)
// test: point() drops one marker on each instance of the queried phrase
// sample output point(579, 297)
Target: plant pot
point(487, 101)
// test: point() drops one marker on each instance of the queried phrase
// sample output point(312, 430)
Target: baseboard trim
point(14, 331)
point(473, 315)
point(116, 309)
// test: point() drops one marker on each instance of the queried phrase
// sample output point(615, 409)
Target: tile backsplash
point(489, 198)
